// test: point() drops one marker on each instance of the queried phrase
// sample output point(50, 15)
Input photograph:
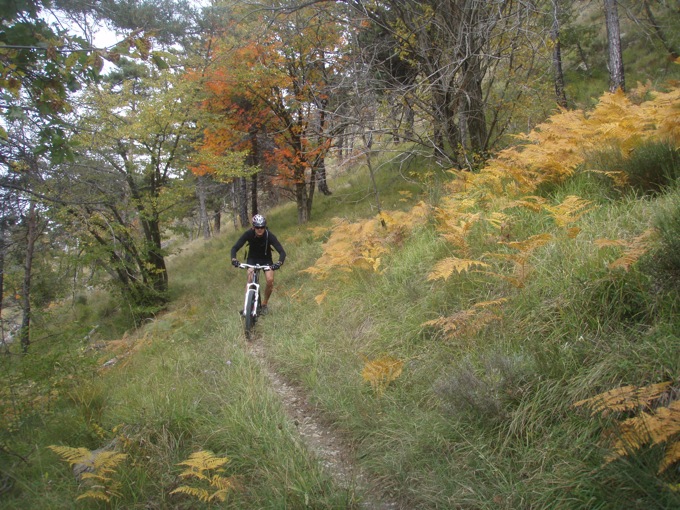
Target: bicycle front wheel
point(249, 313)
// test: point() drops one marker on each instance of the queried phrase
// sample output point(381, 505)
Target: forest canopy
point(198, 110)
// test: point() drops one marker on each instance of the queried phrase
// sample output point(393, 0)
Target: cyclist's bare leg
point(269, 275)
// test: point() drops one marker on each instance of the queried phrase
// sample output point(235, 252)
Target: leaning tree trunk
point(560, 94)
point(659, 33)
point(321, 179)
point(616, 77)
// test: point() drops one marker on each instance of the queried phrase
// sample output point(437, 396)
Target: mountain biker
point(260, 243)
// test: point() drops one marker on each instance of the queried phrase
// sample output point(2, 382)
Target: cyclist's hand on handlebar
point(235, 262)
point(277, 265)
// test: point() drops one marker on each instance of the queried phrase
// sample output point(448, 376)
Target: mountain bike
point(251, 304)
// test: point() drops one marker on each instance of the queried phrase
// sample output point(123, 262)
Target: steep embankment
point(457, 353)
point(447, 356)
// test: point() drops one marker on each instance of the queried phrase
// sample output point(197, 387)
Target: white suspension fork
point(256, 288)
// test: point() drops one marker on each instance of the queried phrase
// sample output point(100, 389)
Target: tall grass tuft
point(667, 222)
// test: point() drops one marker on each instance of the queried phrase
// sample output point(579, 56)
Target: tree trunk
point(410, 119)
point(659, 33)
point(616, 76)
point(201, 193)
point(301, 199)
point(253, 194)
point(474, 102)
point(158, 273)
point(369, 143)
point(583, 57)
point(254, 161)
point(320, 172)
point(560, 94)
point(217, 219)
point(31, 237)
point(2, 278)
point(242, 200)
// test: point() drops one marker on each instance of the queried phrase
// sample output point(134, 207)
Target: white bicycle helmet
point(259, 221)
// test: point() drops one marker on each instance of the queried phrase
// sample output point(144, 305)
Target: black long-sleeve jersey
point(259, 248)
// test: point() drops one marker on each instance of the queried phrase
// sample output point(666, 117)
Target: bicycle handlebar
point(255, 266)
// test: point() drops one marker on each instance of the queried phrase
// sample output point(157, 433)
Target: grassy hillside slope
point(492, 359)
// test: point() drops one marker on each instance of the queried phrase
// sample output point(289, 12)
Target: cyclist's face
point(258, 231)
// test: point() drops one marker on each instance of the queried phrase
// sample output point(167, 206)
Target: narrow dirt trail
point(333, 452)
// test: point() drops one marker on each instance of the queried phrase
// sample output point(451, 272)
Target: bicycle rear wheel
point(249, 322)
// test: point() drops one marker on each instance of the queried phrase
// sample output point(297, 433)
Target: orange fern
point(381, 372)
point(653, 425)
point(467, 322)
point(445, 268)
point(569, 211)
point(632, 250)
point(520, 259)
point(625, 398)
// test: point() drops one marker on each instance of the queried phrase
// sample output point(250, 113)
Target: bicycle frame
point(254, 287)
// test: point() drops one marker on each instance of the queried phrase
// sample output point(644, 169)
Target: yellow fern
point(381, 372)
point(201, 461)
point(98, 468)
point(632, 250)
point(96, 494)
point(557, 147)
point(660, 426)
point(569, 211)
point(362, 244)
point(532, 203)
point(321, 297)
point(497, 220)
point(205, 466)
point(672, 456)
point(520, 259)
point(625, 398)
point(319, 232)
point(445, 268)
point(194, 492)
point(652, 426)
point(72, 455)
point(528, 245)
point(466, 322)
